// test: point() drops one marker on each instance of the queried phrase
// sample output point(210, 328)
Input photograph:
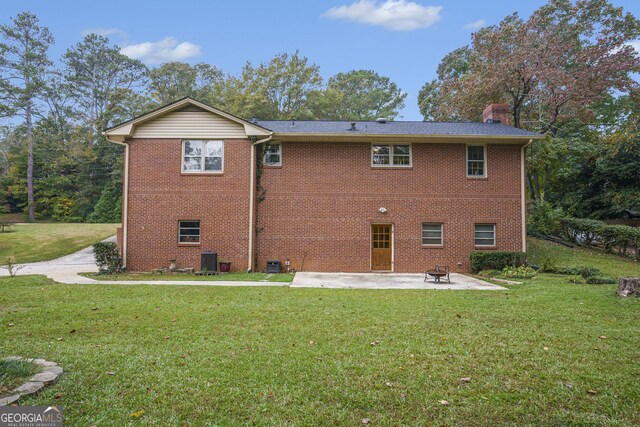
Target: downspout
point(125, 199)
point(523, 197)
point(252, 199)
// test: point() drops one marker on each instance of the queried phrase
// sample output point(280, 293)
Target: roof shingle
point(392, 128)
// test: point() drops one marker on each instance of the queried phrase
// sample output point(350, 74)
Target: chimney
point(496, 113)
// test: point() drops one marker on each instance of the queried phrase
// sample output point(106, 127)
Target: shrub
point(594, 280)
point(585, 272)
point(107, 257)
point(521, 272)
point(544, 219)
point(622, 238)
point(496, 260)
point(489, 273)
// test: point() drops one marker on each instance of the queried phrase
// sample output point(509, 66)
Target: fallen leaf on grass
point(602, 337)
point(137, 414)
point(59, 339)
point(402, 395)
point(166, 337)
point(546, 348)
point(57, 396)
point(110, 373)
point(73, 331)
point(388, 384)
point(592, 392)
point(444, 402)
point(11, 324)
point(375, 342)
point(465, 380)
point(365, 421)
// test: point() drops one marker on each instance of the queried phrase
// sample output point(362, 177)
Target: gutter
point(523, 200)
point(125, 198)
point(252, 199)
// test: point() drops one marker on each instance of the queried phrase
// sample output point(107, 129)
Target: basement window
point(391, 155)
point(273, 154)
point(485, 235)
point(202, 156)
point(189, 232)
point(432, 234)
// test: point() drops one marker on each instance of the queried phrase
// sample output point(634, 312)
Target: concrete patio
point(387, 281)
point(66, 269)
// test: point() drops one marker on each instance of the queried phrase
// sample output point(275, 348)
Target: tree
point(175, 80)
point(279, 89)
point(24, 65)
point(365, 95)
point(550, 67)
point(431, 99)
point(95, 72)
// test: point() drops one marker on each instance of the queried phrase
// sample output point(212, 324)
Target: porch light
point(382, 210)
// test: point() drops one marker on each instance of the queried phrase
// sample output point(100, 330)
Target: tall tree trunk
point(30, 198)
point(536, 183)
point(532, 193)
point(547, 181)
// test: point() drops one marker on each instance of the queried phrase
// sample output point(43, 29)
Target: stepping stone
point(57, 370)
point(43, 362)
point(8, 400)
point(30, 387)
point(44, 377)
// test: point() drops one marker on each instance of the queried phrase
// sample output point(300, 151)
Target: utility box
point(209, 261)
point(273, 266)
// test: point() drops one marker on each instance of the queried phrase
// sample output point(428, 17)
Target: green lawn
point(610, 265)
point(233, 277)
point(285, 356)
point(45, 241)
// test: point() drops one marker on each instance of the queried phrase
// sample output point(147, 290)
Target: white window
point(485, 235)
point(432, 234)
point(189, 232)
point(476, 160)
point(390, 155)
point(273, 154)
point(202, 156)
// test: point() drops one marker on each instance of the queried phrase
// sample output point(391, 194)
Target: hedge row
point(496, 260)
point(615, 238)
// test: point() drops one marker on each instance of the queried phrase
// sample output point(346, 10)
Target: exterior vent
point(381, 120)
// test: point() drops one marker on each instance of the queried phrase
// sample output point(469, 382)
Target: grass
point(14, 373)
point(233, 277)
point(45, 241)
point(610, 265)
point(536, 354)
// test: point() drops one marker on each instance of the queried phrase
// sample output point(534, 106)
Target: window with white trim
point(202, 156)
point(476, 160)
point(189, 232)
point(273, 154)
point(390, 155)
point(432, 234)
point(485, 235)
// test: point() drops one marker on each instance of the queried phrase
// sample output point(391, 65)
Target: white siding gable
point(188, 125)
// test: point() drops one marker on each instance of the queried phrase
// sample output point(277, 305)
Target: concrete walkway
point(66, 269)
point(387, 281)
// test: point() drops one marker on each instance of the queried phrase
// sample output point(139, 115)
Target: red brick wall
point(319, 206)
point(160, 196)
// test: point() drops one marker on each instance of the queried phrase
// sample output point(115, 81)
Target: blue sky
point(402, 39)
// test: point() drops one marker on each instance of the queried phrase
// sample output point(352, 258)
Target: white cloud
point(165, 50)
point(475, 25)
point(395, 15)
point(105, 32)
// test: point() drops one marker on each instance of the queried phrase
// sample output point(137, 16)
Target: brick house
point(324, 195)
